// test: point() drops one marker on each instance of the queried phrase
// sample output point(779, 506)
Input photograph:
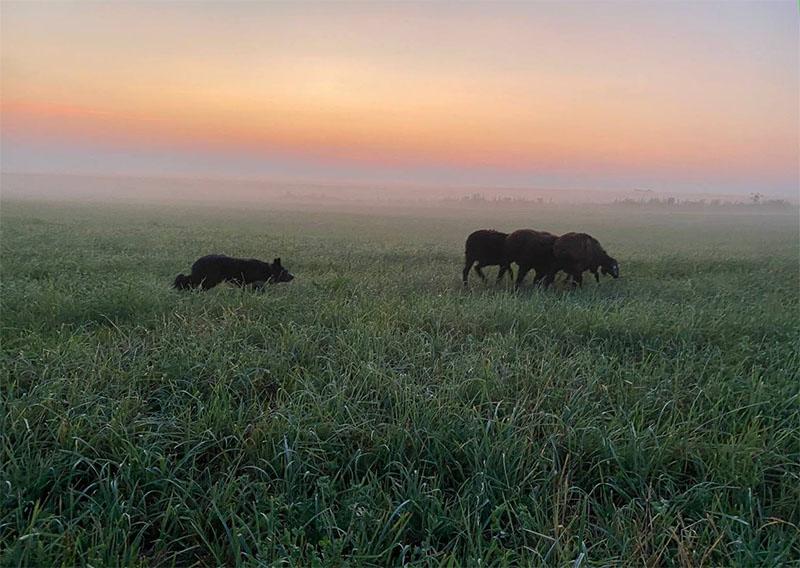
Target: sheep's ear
point(276, 262)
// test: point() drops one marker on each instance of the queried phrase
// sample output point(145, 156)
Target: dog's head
point(279, 273)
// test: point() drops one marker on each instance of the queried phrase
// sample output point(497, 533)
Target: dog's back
point(218, 268)
point(210, 270)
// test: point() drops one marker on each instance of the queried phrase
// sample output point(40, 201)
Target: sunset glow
point(666, 95)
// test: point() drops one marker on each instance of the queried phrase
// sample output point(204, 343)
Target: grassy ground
point(372, 413)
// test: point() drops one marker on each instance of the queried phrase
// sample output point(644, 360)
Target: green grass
point(372, 413)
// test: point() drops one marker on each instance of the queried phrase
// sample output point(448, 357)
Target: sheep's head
point(611, 266)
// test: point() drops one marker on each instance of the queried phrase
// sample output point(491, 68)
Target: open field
point(372, 413)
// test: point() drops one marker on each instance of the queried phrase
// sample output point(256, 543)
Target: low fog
point(236, 192)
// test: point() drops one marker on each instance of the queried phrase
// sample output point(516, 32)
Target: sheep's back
point(486, 244)
point(529, 245)
point(579, 248)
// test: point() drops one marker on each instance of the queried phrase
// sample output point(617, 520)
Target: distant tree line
point(755, 199)
point(479, 198)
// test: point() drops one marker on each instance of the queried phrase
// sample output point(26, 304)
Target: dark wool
point(531, 250)
point(578, 252)
point(486, 248)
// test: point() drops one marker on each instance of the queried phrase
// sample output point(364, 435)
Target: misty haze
point(389, 284)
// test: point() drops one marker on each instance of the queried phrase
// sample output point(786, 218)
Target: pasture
point(372, 413)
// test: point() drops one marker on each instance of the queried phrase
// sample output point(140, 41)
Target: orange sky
point(675, 94)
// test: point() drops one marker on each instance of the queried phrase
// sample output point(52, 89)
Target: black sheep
point(487, 248)
point(531, 250)
point(210, 270)
point(576, 252)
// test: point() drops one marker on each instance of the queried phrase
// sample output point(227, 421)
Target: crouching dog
point(208, 271)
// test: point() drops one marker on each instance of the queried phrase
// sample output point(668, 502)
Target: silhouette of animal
point(531, 250)
point(208, 271)
point(576, 252)
point(486, 248)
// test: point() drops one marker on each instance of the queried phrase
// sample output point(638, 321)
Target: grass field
point(373, 413)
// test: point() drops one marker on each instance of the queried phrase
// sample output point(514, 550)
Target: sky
point(678, 96)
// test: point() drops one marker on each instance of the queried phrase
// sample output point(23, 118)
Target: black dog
point(210, 270)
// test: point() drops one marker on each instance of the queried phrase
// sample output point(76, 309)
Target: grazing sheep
point(531, 250)
point(487, 248)
point(576, 252)
point(210, 270)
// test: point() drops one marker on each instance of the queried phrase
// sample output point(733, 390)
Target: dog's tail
point(182, 282)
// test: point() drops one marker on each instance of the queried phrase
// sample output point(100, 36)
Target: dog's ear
point(276, 262)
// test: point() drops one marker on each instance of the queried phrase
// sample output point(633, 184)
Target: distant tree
point(756, 197)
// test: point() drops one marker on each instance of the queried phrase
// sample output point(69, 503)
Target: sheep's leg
point(596, 275)
point(465, 273)
point(521, 272)
point(540, 276)
point(503, 269)
point(577, 277)
point(479, 271)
